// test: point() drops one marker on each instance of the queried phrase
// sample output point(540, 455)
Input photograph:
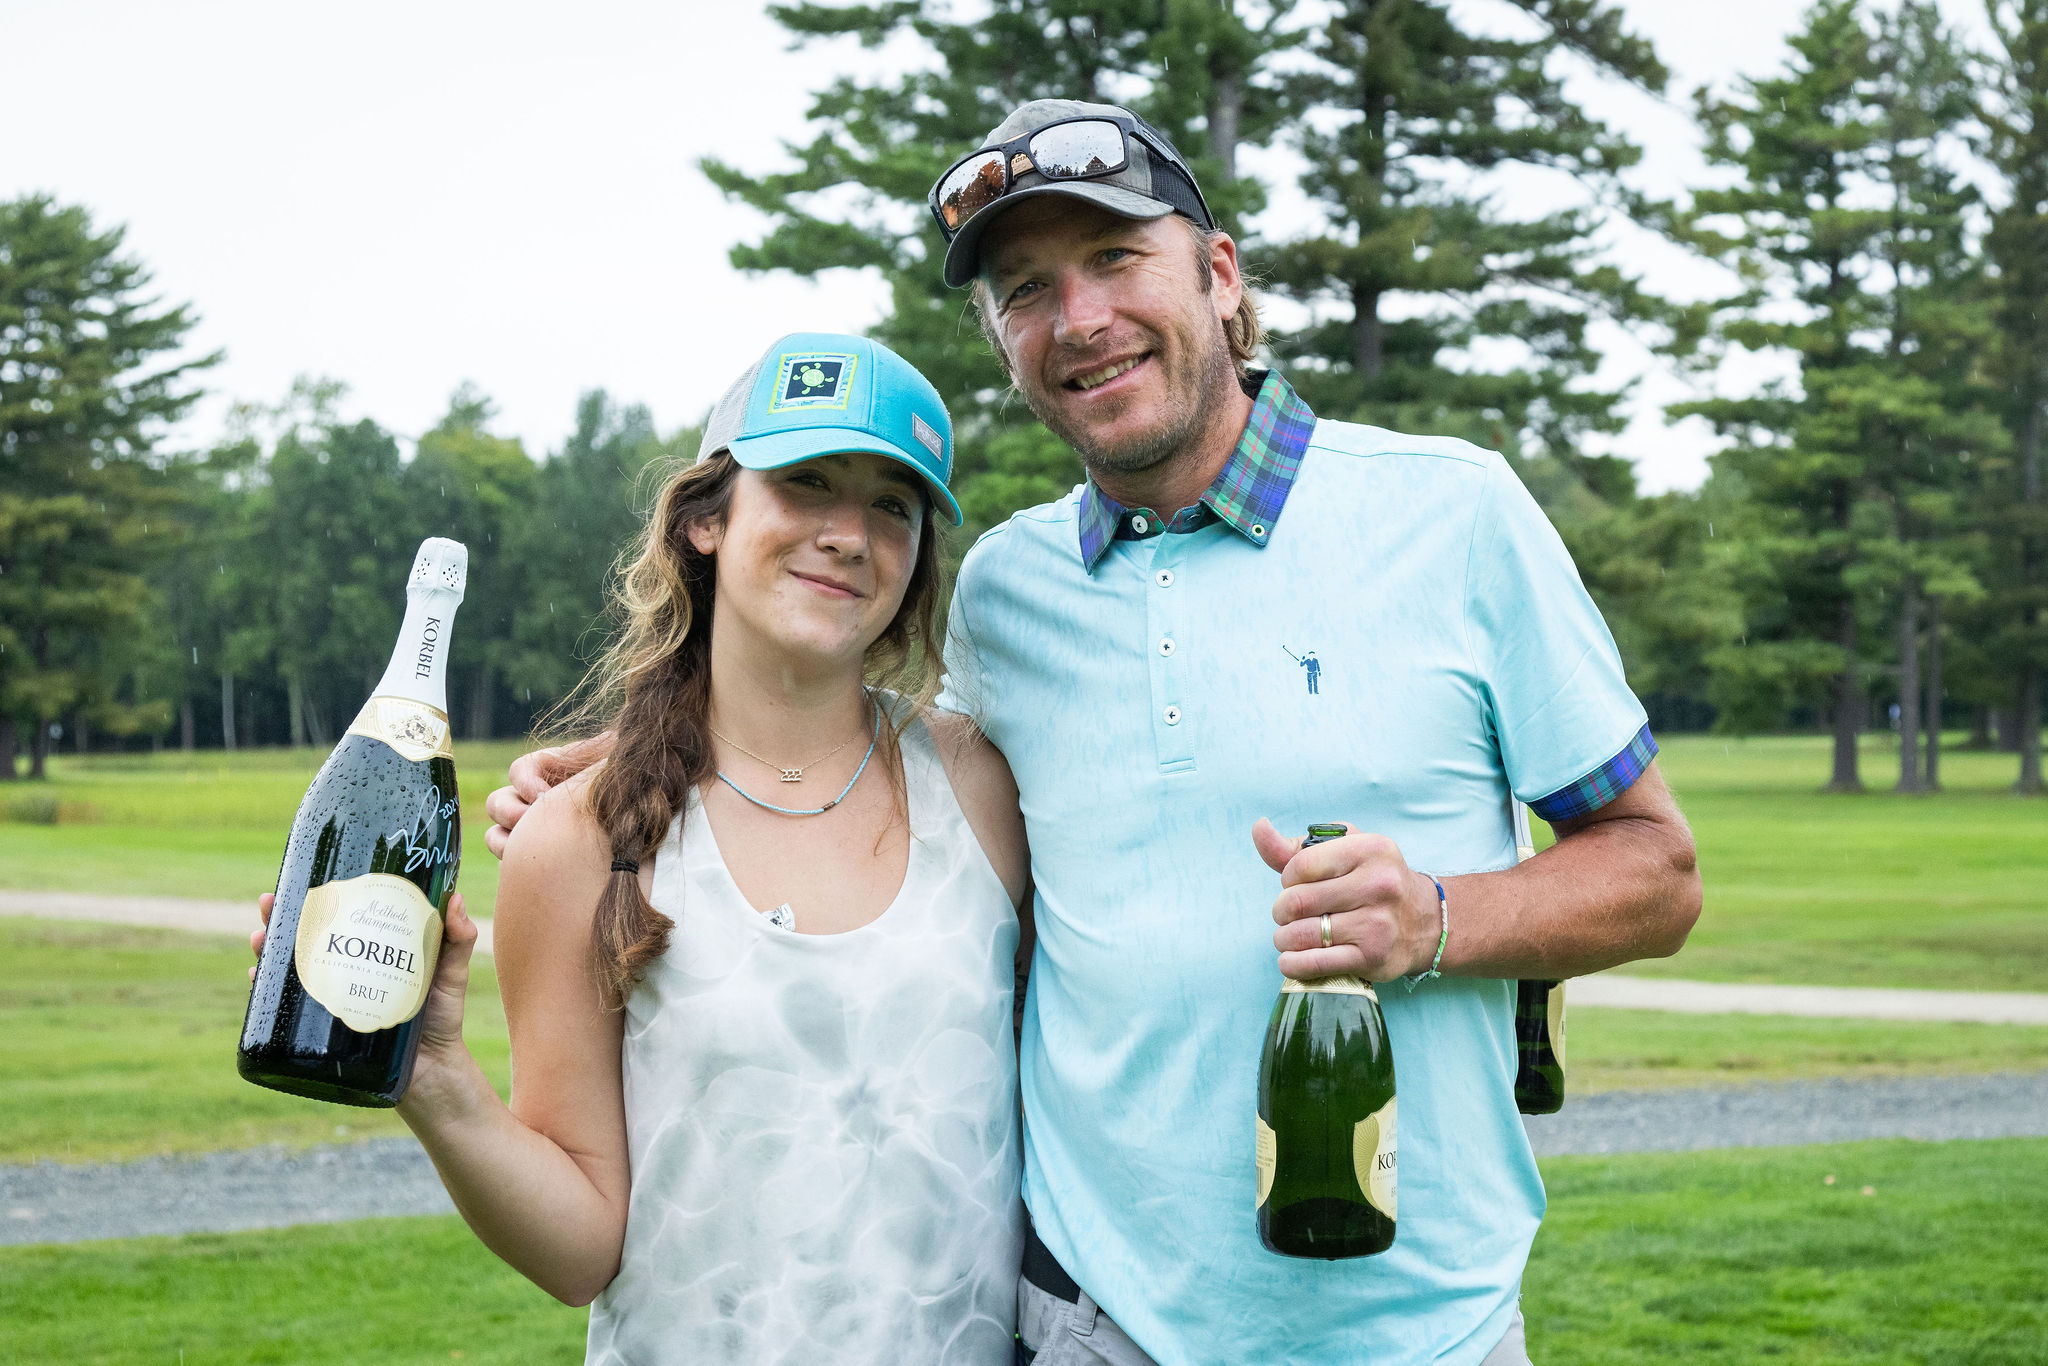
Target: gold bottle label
point(414, 729)
point(1344, 985)
point(1373, 1157)
point(1557, 1024)
point(1269, 1154)
point(366, 949)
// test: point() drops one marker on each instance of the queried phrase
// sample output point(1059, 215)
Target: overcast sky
point(406, 196)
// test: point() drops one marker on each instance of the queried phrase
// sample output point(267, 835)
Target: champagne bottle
point(355, 931)
point(1325, 1136)
point(1539, 1015)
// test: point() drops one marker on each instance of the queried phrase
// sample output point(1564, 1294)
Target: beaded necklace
point(816, 811)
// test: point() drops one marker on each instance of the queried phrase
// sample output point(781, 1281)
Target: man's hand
point(1384, 921)
point(533, 774)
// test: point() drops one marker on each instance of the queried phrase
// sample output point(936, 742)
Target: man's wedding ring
point(1326, 931)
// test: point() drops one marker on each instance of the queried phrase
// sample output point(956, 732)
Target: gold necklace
point(788, 775)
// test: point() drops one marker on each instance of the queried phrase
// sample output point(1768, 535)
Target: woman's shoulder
point(981, 782)
point(560, 827)
point(557, 857)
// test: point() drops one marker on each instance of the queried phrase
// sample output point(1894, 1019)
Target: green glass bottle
point(1539, 1015)
point(1325, 1136)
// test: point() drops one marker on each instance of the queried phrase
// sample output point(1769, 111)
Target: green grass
point(1752, 1256)
point(386, 1291)
point(1634, 1050)
point(209, 824)
point(121, 1042)
point(1946, 891)
point(1723, 1257)
point(1877, 890)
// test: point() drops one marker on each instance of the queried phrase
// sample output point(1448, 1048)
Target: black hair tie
point(626, 865)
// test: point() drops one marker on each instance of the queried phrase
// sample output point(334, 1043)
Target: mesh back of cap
point(729, 418)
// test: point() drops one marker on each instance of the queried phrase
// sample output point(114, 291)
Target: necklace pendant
point(792, 775)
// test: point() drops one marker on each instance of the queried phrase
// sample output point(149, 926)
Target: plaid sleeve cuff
point(1602, 785)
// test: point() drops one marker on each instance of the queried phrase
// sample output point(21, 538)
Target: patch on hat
point(812, 379)
point(927, 437)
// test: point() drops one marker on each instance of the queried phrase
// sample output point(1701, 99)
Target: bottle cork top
point(441, 566)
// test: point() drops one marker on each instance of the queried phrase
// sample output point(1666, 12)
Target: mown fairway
point(1946, 891)
point(209, 825)
point(1727, 1257)
point(1907, 1254)
point(121, 1041)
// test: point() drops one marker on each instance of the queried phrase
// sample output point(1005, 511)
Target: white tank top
point(823, 1128)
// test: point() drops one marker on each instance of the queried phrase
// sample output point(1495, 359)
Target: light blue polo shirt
point(1152, 708)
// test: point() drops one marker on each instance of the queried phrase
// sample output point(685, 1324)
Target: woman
point(764, 1105)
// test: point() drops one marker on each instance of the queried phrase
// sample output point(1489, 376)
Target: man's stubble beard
point(1195, 393)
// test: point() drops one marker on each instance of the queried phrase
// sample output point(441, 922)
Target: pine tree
point(1796, 229)
point(1405, 103)
point(475, 488)
point(1923, 398)
point(1196, 68)
point(336, 533)
point(587, 503)
point(86, 390)
point(2017, 114)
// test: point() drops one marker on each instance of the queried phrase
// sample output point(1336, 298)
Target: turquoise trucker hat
point(825, 393)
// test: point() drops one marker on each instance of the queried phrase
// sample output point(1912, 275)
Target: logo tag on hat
point(813, 379)
point(928, 437)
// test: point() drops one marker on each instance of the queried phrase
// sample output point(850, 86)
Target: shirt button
point(1173, 716)
point(1164, 578)
point(1166, 645)
point(1140, 525)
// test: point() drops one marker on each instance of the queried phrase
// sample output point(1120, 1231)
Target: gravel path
point(163, 912)
point(1786, 1114)
point(270, 1187)
point(1839, 1003)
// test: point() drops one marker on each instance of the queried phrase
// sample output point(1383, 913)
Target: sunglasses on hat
point(1087, 147)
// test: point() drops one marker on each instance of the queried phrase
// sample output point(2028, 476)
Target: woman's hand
point(441, 1016)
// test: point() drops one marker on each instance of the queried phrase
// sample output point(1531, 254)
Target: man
point(1133, 650)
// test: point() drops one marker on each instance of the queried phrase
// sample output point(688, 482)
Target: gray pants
point(1056, 1333)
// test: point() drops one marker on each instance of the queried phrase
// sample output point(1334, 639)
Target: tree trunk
point(227, 710)
point(1980, 729)
point(81, 735)
point(1848, 709)
point(295, 708)
point(1934, 694)
point(1366, 331)
point(2005, 730)
point(187, 723)
point(10, 745)
point(316, 724)
point(1226, 105)
point(2029, 725)
point(1909, 689)
point(39, 750)
point(480, 704)
point(2029, 709)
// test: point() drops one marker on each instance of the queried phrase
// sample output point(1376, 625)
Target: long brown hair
point(652, 689)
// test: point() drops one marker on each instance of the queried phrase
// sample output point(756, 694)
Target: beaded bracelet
point(1443, 910)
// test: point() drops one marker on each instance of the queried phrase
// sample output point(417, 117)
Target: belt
point(1043, 1269)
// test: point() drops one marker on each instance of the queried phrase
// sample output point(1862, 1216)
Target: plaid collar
point(1247, 495)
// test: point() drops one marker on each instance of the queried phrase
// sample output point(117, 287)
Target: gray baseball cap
point(1153, 181)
